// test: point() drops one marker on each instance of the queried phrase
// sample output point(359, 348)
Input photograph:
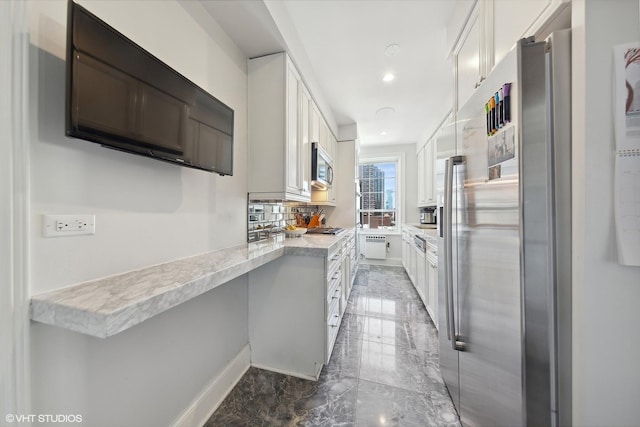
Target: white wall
point(14, 298)
point(606, 343)
point(410, 172)
point(147, 212)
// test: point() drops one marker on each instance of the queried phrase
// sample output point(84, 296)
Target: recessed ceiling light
point(392, 50)
point(388, 77)
point(385, 112)
point(383, 133)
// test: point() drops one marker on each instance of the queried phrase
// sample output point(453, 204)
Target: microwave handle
point(329, 175)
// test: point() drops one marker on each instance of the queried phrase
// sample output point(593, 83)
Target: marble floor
point(383, 370)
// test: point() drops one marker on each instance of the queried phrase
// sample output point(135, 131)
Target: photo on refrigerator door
point(627, 95)
point(502, 146)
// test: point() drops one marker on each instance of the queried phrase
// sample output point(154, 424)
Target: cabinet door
point(305, 141)
point(420, 275)
point(421, 177)
point(333, 190)
point(412, 264)
point(292, 164)
point(433, 293)
point(511, 22)
point(324, 135)
point(346, 281)
point(333, 148)
point(429, 171)
point(427, 283)
point(403, 248)
point(331, 195)
point(314, 123)
point(468, 62)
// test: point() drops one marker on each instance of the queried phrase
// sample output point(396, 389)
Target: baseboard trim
point(289, 373)
point(201, 409)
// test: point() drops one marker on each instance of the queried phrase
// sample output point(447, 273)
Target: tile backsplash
point(268, 218)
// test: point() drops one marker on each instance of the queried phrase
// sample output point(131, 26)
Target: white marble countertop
point(429, 233)
point(107, 306)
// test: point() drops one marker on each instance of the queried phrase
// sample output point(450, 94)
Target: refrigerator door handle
point(446, 224)
point(450, 163)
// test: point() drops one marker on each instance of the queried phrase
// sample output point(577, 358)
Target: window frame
point(398, 159)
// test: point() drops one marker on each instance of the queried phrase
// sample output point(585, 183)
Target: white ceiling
point(344, 43)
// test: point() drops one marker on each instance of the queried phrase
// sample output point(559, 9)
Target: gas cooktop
point(324, 230)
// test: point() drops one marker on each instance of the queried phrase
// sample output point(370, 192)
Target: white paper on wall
point(626, 109)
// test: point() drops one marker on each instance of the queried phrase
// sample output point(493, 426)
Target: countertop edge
point(57, 307)
point(105, 324)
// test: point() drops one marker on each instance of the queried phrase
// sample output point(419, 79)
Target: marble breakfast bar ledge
point(105, 307)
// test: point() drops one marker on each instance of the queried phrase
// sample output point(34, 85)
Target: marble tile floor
point(383, 370)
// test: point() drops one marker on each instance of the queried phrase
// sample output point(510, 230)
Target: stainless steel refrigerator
point(505, 239)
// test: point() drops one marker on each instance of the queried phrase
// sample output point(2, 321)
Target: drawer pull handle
point(337, 323)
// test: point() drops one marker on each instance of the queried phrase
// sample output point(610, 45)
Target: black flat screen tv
point(121, 96)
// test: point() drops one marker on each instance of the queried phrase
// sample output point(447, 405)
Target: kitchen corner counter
point(424, 230)
point(105, 307)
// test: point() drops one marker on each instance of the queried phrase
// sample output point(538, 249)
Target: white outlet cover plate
point(74, 225)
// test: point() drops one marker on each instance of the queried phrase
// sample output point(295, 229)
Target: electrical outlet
point(69, 225)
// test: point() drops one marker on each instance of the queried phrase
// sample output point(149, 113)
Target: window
point(379, 188)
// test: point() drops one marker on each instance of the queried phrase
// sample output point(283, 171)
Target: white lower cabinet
point(405, 254)
point(296, 305)
point(288, 315)
point(422, 269)
point(408, 254)
point(432, 274)
point(421, 275)
point(336, 301)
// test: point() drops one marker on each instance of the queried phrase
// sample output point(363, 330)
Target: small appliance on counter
point(428, 216)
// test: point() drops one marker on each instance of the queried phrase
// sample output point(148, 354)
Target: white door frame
point(14, 211)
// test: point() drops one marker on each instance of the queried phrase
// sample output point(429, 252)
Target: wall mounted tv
point(121, 96)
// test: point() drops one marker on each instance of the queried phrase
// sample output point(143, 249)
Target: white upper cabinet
point(293, 146)
point(426, 174)
point(467, 61)
point(421, 183)
point(429, 171)
point(321, 134)
point(481, 32)
point(314, 123)
point(324, 133)
point(333, 147)
point(512, 21)
point(279, 160)
point(306, 106)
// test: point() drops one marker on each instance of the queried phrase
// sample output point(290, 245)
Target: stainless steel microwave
point(321, 168)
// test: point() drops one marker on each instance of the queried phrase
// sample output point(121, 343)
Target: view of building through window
point(378, 188)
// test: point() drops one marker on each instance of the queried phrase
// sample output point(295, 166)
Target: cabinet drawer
point(334, 289)
point(333, 326)
point(333, 267)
